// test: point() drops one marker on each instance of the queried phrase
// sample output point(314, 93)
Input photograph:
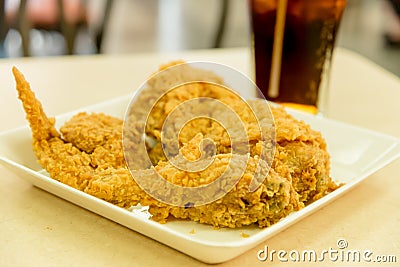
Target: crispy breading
point(274, 199)
point(98, 135)
point(301, 155)
point(88, 131)
point(42, 127)
point(88, 155)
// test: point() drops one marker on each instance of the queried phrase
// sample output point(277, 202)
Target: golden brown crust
point(42, 127)
point(98, 135)
point(89, 156)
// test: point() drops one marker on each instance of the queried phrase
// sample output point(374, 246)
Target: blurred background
point(57, 27)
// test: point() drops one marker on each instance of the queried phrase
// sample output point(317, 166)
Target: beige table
point(39, 229)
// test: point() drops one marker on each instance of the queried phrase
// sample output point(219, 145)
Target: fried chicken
point(86, 157)
point(301, 155)
point(274, 199)
point(99, 136)
point(88, 154)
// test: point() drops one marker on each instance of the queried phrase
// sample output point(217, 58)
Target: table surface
point(39, 229)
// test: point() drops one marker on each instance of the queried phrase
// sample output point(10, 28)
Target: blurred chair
point(64, 16)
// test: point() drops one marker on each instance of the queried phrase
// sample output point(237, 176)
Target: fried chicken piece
point(222, 116)
point(67, 161)
point(63, 161)
point(301, 156)
point(274, 199)
point(170, 76)
point(88, 131)
point(301, 153)
point(89, 156)
point(98, 135)
point(289, 128)
point(217, 108)
point(308, 167)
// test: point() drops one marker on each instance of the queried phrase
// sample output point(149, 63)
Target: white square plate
point(355, 154)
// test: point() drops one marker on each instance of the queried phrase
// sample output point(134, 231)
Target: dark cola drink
point(293, 41)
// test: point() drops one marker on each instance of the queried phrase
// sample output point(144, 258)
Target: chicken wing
point(88, 154)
